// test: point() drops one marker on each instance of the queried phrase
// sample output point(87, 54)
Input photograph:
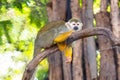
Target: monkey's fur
point(48, 33)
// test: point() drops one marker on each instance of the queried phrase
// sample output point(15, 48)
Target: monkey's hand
point(61, 40)
point(63, 36)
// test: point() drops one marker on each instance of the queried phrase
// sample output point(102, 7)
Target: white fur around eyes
point(71, 25)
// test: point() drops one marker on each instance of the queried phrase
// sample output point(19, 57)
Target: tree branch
point(75, 36)
point(94, 31)
point(30, 68)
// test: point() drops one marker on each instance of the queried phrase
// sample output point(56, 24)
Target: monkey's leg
point(67, 49)
point(62, 46)
point(68, 53)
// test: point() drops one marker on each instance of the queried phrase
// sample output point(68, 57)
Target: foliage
point(5, 29)
point(96, 6)
point(19, 22)
point(42, 68)
point(98, 61)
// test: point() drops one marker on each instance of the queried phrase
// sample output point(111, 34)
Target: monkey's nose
point(75, 28)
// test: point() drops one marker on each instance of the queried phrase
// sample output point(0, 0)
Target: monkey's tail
point(68, 11)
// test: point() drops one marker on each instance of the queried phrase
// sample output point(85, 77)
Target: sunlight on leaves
point(17, 35)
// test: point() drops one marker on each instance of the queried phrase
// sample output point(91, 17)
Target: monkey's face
point(76, 26)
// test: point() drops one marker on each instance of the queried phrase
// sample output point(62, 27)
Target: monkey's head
point(74, 24)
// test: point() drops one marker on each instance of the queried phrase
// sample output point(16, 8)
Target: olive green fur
point(46, 35)
point(51, 25)
point(74, 20)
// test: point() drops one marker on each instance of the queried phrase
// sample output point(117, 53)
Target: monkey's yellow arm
point(63, 36)
point(61, 42)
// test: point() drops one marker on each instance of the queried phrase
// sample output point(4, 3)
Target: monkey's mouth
point(75, 28)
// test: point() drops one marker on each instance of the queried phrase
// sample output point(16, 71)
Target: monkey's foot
point(68, 59)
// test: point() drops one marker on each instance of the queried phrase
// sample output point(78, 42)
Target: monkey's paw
point(68, 59)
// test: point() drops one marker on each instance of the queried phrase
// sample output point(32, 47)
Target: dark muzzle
point(75, 28)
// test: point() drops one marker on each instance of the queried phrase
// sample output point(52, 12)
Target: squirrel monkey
point(57, 32)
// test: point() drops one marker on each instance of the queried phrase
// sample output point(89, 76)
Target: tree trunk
point(89, 43)
point(107, 63)
point(115, 20)
point(77, 47)
point(55, 66)
point(86, 67)
point(56, 11)
point(103, 5)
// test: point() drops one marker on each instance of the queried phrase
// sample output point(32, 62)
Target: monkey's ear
point(67, 24)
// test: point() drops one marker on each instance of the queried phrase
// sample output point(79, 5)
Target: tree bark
point(89, 43)
point(107, 63)
point(115, 20)
point(55, 66)
point(75, 9)
point(103, 5)
point(77, 45)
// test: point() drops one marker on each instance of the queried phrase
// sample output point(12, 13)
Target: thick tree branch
point(75, 36)
point(29, 70)
point(94, 31)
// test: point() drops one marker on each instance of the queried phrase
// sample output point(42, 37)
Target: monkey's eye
point(77, 24)
point(73, 24)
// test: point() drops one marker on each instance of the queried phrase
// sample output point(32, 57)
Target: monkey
point(56, 32)
point(50, 33)
point(68, 10)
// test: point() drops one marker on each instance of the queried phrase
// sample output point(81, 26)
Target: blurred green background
point(20, 21)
